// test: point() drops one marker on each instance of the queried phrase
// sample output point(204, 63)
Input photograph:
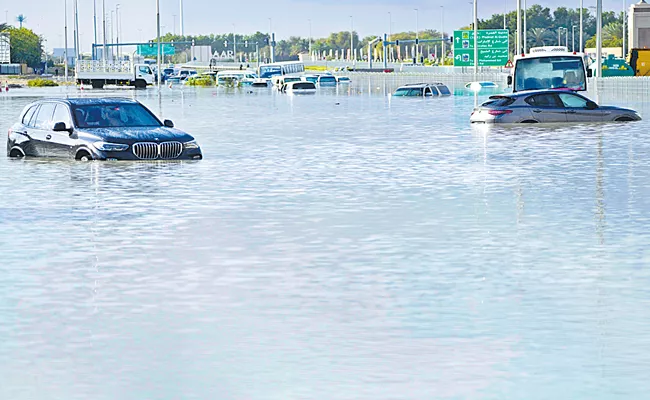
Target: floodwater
point(345, 245)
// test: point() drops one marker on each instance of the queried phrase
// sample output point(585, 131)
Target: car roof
point(533, 92)
point(421, 85)
point(90, 100)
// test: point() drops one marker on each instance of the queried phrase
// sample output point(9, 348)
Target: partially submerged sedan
point(422, 90)
point(97, 129)
point(547, 106)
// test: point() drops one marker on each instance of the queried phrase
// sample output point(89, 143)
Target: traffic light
point(417, 41)
point(266, 40)
point(151, 43)
point(192, 42)
point(225, 43)
point(396, 42)
point(246, 43)
point(172, 43)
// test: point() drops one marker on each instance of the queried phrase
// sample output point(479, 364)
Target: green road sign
point(165, 50)
point(492, 48)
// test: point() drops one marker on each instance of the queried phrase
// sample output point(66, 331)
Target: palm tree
point(613, 31)
point(21, 18)
point(4, 27)
point(538, 36)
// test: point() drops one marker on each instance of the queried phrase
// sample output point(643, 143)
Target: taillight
point(499, 112)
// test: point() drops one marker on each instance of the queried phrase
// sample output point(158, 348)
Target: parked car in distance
point(97, 129)
point(546, 106)
point(300, 87)
point(327, 80)
point(423, 90)
point(481, 85)
point(343, 79)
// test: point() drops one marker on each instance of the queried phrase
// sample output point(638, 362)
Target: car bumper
point(187, 154)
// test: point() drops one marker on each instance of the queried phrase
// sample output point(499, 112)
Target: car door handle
point(48, 137)
point(537, 111)
point(571, 111)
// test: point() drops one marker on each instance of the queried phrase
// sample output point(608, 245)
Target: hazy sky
point(289, 17)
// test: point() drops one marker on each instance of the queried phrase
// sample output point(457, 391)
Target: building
point(639, 25)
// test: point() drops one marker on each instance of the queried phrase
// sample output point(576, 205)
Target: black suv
point(97, 129)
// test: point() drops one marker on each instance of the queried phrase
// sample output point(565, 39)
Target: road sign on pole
point(492, 48)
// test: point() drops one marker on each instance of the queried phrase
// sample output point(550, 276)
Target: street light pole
point(181, 17)
point(94, 25)
point(573, 38)
point(351, 38)
point(417, 36)
point(518, 40)
point(65, 33)
point(525, 29)
point(505, 10)
point(581, 28)
point(158, 61)
point(310, 54)
point(234, 43)
point(390, 27)
point(476, 38)
point(599, 38)
point(566, 37)
point(117, 30)
point(442, 35)
point(104, 32)
point(624, 32)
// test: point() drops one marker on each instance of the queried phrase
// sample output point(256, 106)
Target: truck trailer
point(122, 73)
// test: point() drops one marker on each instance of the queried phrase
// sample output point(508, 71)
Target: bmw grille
point(153, 151)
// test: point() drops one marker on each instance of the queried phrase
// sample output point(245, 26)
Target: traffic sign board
point(493, 47)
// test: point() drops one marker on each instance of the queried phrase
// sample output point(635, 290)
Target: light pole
point(104, 32)
point(525, 29)
point(566, 37)
point(599, 38)
point(117, 30)
point(65, 33)
point(390, 27)
point(573, 38)
point(112, 34)
point(518, 39)
point(181, 17)
point(310, 55)
point(476, 38)
point(624, 32)
point(505, 10)
point(174, 24)
point(158, 41)
point(351, 38)
point(77, 56)
point(234, 43)
point(581, 28)
point(442, 35)
point(271, 46)
point(417, 36)
point(559, 35)
point(94, 25)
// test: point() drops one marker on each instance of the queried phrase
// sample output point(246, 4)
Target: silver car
point(545, 106)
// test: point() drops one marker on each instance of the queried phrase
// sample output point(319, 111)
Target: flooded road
point(345, 245)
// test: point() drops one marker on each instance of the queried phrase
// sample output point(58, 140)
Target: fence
point(11, 69)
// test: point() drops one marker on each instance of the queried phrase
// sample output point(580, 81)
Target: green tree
point(539, 37)
point(26, 47)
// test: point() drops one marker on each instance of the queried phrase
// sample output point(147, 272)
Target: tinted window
point(499, 101)
point(544, 100)
point(444, 90)
point(28, 115)
point(61, 114)
point(327, 79)
point(573, 101)
point(401, 92)
point(44, 116)
point(415, 92)
point(115, 115)
point(304, 85)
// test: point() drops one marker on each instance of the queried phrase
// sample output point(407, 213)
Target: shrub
point(204, 81)
point(38, 82)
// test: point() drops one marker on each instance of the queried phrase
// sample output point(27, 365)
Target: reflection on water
point(342, 245)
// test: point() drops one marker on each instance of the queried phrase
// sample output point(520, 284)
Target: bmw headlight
point(103, 146)
point(191, 145)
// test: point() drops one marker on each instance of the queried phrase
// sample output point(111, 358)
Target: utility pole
point(518, 39)
point(581, 40)
point(525, 29)
point(182, 23)
point(417, 36)
point(117, 29)
point(65, 33)
point(158, 40)
point(94, 26)
point(351, 38)
point(442, 34)
point(104, 32)
point(476, 38)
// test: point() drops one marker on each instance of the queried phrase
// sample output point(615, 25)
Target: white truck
point(123, 73)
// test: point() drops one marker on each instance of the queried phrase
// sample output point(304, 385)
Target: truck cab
point(549, 67)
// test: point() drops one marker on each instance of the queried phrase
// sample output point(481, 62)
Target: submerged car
point(97, 129)
point(423, 90)
point(546, 106)
point(300, 87)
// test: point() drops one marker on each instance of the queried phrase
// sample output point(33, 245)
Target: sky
point(288, 17)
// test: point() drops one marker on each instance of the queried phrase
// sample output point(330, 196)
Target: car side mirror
point(168, 123)
point(509, 80)
point(591, 105)
point(61, 127)
point(590, 73)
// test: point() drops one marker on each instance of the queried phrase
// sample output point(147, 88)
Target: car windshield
point(550, 73)
point(444, 90)
point(113, 115)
